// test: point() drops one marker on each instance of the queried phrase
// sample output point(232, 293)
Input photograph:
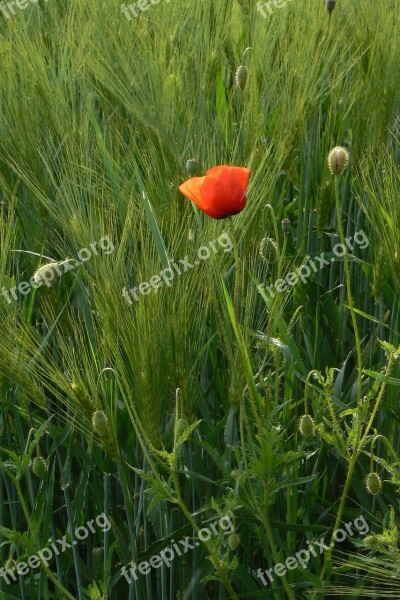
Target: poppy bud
point(372, 541)
point(268, 250)
point(330, 5)
point(39, 466)
point(233, 541)
point(285, 226)
point(373, 483)
point(100, 423)
point(192, 166)
point(10, 564)
point(338, 160)
point(241, 77)
point(306, 425)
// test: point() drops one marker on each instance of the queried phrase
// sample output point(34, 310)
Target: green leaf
point(155, 230)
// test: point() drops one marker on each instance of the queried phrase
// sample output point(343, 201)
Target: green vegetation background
point(203, 383)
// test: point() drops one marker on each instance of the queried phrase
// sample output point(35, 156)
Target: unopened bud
point(192, 166)
point(268, 250)
point(100, 423)
point(285, 226)
point(330, 5)
point(338, 159)
point(10, 564)
point(306, 425)
point(241, 77)
point(39, 466)
point(373, 483)
point(233, 541)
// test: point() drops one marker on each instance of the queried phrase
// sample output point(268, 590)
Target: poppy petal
point(191, 189)
point(221, 193)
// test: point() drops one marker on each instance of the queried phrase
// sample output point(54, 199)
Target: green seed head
point(80, 393)
point(268, 250)
point(373, 483)
point(233, 541)
point(338, 159)
point(39, 466)
point(100, 423)
point(379, 274)
point(241, 77)
point(192, 166)
point(306, 425)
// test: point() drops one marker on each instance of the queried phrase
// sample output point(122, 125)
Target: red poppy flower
point(220, 193)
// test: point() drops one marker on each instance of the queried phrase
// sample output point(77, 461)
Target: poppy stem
point(347, 274)
point(236, 277)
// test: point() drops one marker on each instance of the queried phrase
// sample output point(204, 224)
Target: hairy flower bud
point(10, 564)
point(192, 166)
point(306, 425)
point(268, 250)
point(39, 466)
point(338, 160)
point(233, 541)
point(373, 483)
point(100, 423)
point(285, 226)
point(241, 77)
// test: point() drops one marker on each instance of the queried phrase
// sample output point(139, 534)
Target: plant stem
point(236, 278)
point(349, 294)
point(358, 446)
point(64, 592)
point(210, 549)
point(271, 541)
